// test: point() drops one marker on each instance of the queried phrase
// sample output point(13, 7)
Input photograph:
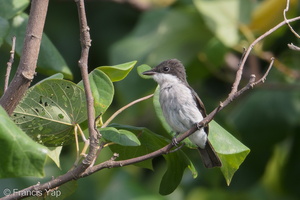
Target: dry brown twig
point(9, 63)
point(84, 169)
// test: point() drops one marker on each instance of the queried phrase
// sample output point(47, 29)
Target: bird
point(182, 107)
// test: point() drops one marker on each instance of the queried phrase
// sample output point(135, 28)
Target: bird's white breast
point(178, 104)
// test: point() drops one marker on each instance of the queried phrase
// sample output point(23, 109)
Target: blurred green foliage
point(208, 37)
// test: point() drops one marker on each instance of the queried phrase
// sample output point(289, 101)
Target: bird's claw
point(175, 142)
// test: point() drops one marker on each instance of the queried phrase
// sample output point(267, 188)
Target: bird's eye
point(166, 69)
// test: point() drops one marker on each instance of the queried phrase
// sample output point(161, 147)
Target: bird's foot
point(174, 141)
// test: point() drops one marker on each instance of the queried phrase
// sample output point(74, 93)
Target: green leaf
point(230, 150)
point(163, 34)
point(19, 155)
point(118, 72)
point(4, 27)
point(102, 89)
point(54, 153)
point(54, 76)
point(143, 68)
point(223, 21)
point(10, 8)
point(121, 137)
point(50, 61)
point(177, 161)
point(49, 111)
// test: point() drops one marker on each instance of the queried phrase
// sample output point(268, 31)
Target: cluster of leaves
point(200, 33)
point(53, 107)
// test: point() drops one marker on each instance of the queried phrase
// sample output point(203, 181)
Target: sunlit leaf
point(269, 13)
point(143, 68)
point(19, 154)
point(223, 21)
point(102, 89)
point(49, 111)
point(121, 137)
point(117, 72)
point(8, 9)
point(54, 153)
point(230, 150)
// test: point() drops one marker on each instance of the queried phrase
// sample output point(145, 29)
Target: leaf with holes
point(49, 111)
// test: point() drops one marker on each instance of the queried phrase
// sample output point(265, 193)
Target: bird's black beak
point(149, 72)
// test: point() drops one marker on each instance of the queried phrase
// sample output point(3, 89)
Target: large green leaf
point(102, 89)
point(223, 21)
point(177, 161)
point(49, 111)
point(122, 137)
point(10, 8)
point(50, 61)
point(231, 151)
point(117, 72)
point(19, 154)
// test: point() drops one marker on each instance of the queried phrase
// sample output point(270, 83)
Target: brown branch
point(246, 54)
point(10, 62)
point(82, 171)
point(83, 65)
point(30, 52)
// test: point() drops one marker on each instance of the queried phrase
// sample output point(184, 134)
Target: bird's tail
point(209, 157)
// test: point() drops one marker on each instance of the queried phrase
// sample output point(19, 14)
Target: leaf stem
point(124, 108)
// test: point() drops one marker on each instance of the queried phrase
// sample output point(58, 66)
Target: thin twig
point(83, 65)
point(286, 21)
point(10, 62)
point(125, 107)
point(240, 70)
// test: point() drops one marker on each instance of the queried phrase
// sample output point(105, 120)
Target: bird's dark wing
point(200, 106)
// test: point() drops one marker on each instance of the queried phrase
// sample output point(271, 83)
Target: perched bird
point(182, 108)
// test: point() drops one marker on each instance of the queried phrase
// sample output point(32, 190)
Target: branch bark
point(9, 63)
point(83, 65)
point(26, 69)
